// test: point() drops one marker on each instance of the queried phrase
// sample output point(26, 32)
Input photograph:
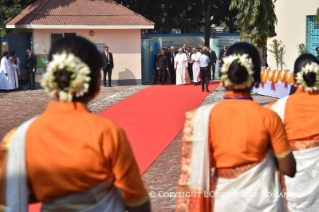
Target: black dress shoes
point(207, 90)
point(109, 86)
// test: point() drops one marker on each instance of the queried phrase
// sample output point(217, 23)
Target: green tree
point(317, 17)
point(222, 13)
point(257, 20)
point(10, 8)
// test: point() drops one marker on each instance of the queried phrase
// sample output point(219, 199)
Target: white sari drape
point(305, 185)
point(103, 197)
point(196, 67)
point(195, 177)
point(181, 64)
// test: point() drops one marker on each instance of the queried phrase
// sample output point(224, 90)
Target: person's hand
point(167, 69)
point(33, 70)
point(174, 68)
point(214, 63)
point(112, 67)
point(157, 68)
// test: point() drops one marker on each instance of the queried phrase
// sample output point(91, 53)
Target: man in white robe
point(196, 67)
point(181, 64)
point(8, 74)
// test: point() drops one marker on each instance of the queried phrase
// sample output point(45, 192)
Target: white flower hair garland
point(243, 60)
point(313, 67)
point(79, 83)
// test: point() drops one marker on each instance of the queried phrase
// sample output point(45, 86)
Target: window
point(312, 35)
point(100, 47)
point(57, 36)
point(69, 35)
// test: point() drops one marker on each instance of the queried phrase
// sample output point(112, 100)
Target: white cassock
point(196, 66)
point(181, 65)
point(9, 82)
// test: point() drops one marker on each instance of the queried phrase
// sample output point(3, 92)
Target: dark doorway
point(19, 42)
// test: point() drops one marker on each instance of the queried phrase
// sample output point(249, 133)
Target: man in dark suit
point(162, 65)
point(190, 64)
point(222, 54)
point(108, 66)
point(184, 48)
point(212, 58)
point(31, 67)
point(171, 58)
point(154, 66)
point(168, 50)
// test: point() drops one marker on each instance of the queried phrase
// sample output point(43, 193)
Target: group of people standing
point(236, 154)
point(186, 65)
point(10, 70)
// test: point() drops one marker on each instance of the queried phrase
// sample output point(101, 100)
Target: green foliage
point(278, 51)
point(317, 17)
point(10, 8)
point(256, 18)
point(301, 48)
point(168, 14)
point(222, 13)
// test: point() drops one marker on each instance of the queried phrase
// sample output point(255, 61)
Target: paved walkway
point(161, 176)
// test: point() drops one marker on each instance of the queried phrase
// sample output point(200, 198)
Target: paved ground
point(20, 106)
point(161, 176)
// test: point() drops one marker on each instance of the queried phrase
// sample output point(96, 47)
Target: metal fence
point(312, 35)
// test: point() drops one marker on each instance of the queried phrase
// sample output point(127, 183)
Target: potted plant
point(278, 51)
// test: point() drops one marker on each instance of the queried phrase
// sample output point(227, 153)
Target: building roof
point(91, 14)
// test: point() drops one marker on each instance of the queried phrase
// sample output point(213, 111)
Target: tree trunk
point(207, 11)
point(207, 30)
point(261, 47)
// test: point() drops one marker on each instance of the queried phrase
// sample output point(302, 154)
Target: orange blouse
point(302, 116)
point(241, 132)
point(69, 150)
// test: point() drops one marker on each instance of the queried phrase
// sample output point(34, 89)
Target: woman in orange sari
point(231, 151)
point(300, 115)
point(68, 158)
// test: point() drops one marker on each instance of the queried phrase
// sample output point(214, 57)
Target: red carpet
point(152, 118)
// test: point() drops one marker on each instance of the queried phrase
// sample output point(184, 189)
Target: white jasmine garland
point(243, 60)
point(313, 67)
point(79, 83)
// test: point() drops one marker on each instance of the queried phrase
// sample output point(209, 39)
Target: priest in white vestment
point(181, 67)
point(196, 66)
point(8, 74)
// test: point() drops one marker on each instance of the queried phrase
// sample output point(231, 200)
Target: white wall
point(291, 27)
point(124, 44)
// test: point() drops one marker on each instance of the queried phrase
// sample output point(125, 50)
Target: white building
point(295, 26)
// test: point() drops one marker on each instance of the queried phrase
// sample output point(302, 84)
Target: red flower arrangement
point(274, 40)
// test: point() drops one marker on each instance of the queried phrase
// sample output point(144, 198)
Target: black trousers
point(107, 71)
point(213, 71)
point(156, 76)
point(204, 75)
point(172, 73)
point(163, 74)
point(31, 76)
point(190, 70)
